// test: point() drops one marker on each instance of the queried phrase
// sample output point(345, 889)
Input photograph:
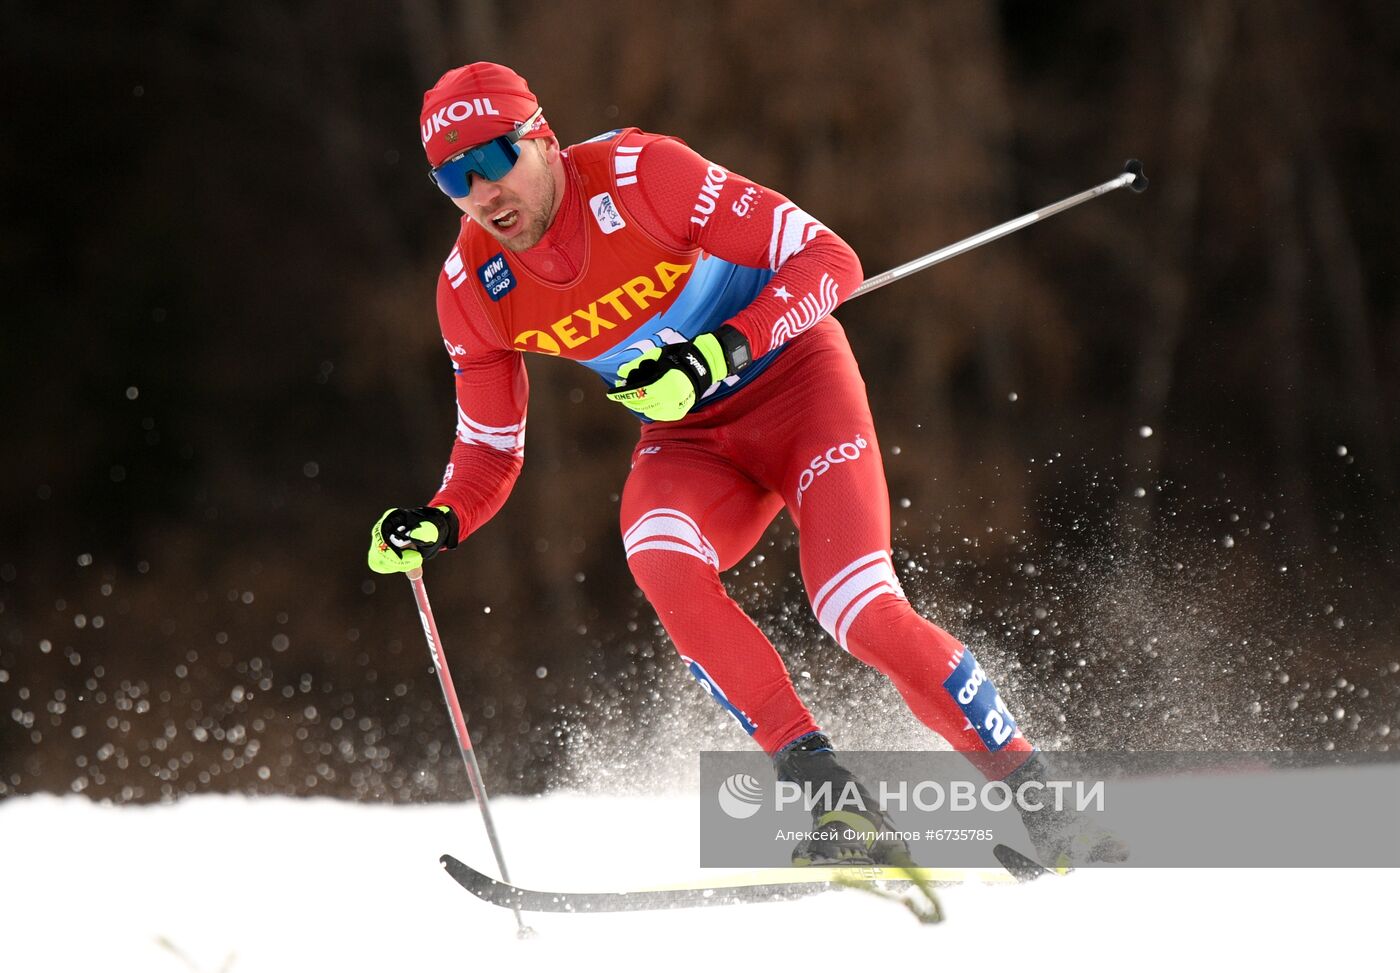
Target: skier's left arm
point(685, 200)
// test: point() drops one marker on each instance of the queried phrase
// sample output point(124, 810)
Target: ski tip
point(464, 875)
point(1021, 868)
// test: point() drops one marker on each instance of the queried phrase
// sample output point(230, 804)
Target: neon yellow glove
point(663, 384)
point(404, 538)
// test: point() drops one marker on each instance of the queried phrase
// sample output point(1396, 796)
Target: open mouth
point(506, 219)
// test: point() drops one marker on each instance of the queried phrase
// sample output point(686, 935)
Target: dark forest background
point(1143, 457)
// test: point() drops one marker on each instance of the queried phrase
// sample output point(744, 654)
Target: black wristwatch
point(735, 346)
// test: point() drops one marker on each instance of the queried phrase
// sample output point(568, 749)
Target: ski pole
point(1131, 176)
point(459, 726)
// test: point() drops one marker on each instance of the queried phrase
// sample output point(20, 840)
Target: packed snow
point(237, 885)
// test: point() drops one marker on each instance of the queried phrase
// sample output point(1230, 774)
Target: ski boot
point(1063, 838)
point(841, 834)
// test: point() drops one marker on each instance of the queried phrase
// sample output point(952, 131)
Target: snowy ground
point(242, 885)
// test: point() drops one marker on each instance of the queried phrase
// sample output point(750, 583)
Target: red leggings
point(703, 490)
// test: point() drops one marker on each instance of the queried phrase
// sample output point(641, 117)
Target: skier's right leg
point(687, 515)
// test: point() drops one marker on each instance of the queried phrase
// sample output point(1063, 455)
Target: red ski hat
point(474, 104)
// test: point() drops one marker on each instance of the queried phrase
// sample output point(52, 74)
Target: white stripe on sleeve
point(793, 229)
point(508, 439)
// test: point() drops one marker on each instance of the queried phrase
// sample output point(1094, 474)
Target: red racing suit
point(653, 244)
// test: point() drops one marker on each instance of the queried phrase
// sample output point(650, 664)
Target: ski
point(1017, 865)
point(764, 885)
point(508, 896)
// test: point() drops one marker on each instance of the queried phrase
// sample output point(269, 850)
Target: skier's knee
point(853, 590)
point(665, 546)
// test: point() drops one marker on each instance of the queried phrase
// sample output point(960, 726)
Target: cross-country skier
point(704, 301)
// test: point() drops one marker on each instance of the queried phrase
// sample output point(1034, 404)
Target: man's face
point(518, 208)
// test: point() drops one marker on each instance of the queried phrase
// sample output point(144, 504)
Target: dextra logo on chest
point(604, 313)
